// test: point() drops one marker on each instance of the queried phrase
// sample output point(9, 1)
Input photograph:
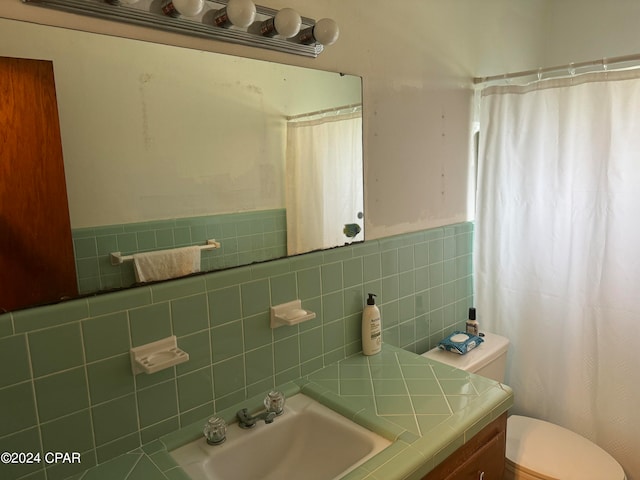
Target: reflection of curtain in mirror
point(324, 181)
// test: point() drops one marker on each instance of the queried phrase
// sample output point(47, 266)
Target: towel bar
point(118, 259)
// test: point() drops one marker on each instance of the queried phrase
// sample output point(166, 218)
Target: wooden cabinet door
point(485, 464)
point(37, 264)
point(481, 458)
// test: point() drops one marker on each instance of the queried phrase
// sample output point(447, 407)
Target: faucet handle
point(274, 402)
point(215, 431)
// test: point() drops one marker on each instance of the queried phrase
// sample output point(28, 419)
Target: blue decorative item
point(460, 342)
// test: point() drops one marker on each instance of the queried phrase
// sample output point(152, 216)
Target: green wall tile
point(6, 325)
point(117, 447)
point(152, 433)
point(68, 434)
point(150, 323)
point(24, 441)
point(354, 300)
point(105, 336)
point(406, 284)
point(257, 331)
point(255, 297)
point(182, 287)
point(189, 314)
point(14, 360)
point(449, 248)
point(286, 354)
point(18, 408)
point(389, 262)
point(195, 389)
point(421, 254)
point(283, 288)
point(352, 272)
point(50, 315)
point(333, 335)
point(372, 267)
point(61, 394)
point(118, 301)
point(224, 305)
point(110, 378)
point(390, 289)
point(331, 275)
point(309, 283)
point(259, 364)
point(85, 247)
point(226, 341)
point(115, 419)
point(332, 307)
point(436, 250)
point(55, 349)
point(228, 376)
point(157, 403)
point(406, 259)
point(198, 347)
point(336, 254)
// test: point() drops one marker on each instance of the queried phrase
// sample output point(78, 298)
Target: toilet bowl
point(536, 450)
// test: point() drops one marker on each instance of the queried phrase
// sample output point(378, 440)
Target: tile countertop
point(426, 408)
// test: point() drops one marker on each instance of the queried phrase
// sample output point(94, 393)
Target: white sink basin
point(308, 441)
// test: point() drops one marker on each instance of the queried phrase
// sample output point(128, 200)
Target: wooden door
point(36, 251)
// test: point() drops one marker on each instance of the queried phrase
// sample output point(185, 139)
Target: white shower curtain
point(324, 181)
point(557, 251)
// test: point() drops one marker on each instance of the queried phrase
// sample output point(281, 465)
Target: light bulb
point(286, 23)
point(188, 8)
point(326, 31)
point(240, 13)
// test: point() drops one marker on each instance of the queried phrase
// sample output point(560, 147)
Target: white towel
point(165, 264)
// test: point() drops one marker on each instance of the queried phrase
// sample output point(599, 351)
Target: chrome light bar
point(142, 14)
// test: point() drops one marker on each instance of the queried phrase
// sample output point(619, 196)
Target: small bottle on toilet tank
point(472, 323)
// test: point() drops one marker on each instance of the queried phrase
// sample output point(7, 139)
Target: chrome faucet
point(246, 420)
point(274, 405)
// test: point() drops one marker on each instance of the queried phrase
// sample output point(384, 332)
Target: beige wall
point(416, 58)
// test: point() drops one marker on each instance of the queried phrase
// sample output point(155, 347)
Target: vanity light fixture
point(235, 21)
point(240, 13)
point(286, 23)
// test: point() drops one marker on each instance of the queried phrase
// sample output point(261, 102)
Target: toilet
point(536, 450)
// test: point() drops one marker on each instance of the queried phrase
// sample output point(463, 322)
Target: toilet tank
point(488, 359)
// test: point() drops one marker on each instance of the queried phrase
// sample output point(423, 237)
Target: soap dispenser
point(371, 327)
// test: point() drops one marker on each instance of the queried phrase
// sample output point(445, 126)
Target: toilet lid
point(555, 452)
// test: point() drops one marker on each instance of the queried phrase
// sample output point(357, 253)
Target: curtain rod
point(604, 63)
point(353, 107)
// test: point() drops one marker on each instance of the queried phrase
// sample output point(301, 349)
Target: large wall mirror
point(166, 147)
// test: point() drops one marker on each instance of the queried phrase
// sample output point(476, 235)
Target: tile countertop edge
point(409, 457)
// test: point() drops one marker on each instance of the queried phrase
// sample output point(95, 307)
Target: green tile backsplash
point(245, 238)
point(65, 375)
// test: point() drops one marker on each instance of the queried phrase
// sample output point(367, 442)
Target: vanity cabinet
point(481, 458)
